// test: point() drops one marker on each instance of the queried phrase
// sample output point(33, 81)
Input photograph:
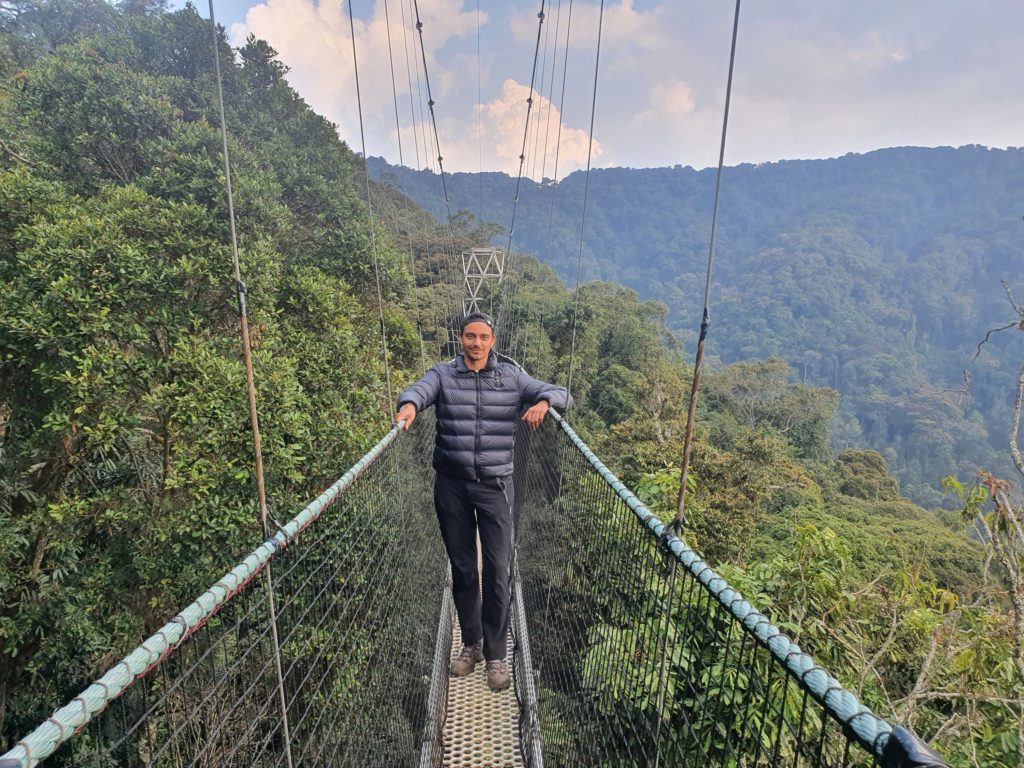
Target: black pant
point(463, 506)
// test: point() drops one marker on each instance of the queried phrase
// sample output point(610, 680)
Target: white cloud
point(495, 131)
point(670, 116)
point(501, 127)
point(674, 98)
point(623, 26)
point(315, 40)
point(812, 79)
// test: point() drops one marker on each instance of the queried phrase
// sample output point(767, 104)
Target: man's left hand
point(535, 414)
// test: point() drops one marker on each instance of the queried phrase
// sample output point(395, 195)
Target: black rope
point(479, 119)
point(526, 127)
point(501, 320)
point(250, 388)
point(373, 225)
point(535, 141)
point(401, 174)
point(691, 415)
point(456, 312)
point(551, 90)
point(677, 521)
point(586, 189)
point(433, 118)
point(558, 139)
point(510, 287)
point(408, 77)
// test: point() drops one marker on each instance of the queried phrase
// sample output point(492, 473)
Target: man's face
point(477, 339)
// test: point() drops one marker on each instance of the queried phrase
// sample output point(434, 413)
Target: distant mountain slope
point(876, 274)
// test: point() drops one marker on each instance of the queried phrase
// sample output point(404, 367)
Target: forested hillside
point(125, 480)
point(873, 274)
point(125, 450)
point(901, 599)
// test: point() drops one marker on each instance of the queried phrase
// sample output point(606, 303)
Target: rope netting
point(595, 572)
point(358, 578)
point(611, 669)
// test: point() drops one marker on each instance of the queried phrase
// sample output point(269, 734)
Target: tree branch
point(5, 148)
point(1008, 553)
point(1018, 402)
point(977, 353)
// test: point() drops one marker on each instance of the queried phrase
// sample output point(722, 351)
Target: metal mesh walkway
point(481, 728)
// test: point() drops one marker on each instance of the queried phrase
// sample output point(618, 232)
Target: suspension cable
point(250, 387)
point(531, 150)
point(408, 77)
point(586, 188)
point(706, 316)
point(526, 127)
point(504, 295)
point(558, 138)
point(369, 206)
point(401, 173)
point(677, 522)
point(433, 119)
point(428, 162)
point(509, 289)
point(479, 119)
point(551, 91)
point(440, 158)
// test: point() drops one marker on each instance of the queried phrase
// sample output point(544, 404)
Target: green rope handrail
point(872, 731)
point(80, 711)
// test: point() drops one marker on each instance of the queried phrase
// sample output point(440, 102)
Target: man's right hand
point(406, 413)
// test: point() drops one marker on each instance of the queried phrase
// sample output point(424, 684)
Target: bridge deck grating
point(481, 727)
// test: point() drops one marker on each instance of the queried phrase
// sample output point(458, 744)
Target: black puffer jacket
point(477, 413)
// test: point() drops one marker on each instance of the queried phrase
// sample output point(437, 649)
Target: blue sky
point(814, 78)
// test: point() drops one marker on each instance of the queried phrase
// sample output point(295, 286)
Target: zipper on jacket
point(476, 435)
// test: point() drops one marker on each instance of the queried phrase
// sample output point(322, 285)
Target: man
point(479, 398)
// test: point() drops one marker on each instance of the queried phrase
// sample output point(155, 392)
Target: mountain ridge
point(874, 273)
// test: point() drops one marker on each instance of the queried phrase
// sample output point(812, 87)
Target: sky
point(813, 78)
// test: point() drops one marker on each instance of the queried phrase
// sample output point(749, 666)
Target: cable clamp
point(674, 528)
point(272, 538)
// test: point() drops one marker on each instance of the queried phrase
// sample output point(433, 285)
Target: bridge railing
point(642, 655)
point(344, 682)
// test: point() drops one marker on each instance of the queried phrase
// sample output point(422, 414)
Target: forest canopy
point(874, 274)
point(125, 455)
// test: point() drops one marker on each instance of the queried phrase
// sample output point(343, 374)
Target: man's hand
point(535, 413)
point(406, 413)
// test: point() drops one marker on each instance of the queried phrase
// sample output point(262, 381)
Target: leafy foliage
point(889, 596)
point(125, 482)
point(124, 449)
point(869, 274)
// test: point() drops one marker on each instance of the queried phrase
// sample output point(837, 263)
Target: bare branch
point(1010, 704)
point(977, 353)
point(1008, 553)
point(1018, 324)
point(917, 693)
point(1018, 402)
point(1014, 304)
point(5, 149)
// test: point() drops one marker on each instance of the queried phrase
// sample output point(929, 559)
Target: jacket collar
point(460, 363)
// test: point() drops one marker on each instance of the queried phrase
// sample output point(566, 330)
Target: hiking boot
point(468, 658)
point(498, 677)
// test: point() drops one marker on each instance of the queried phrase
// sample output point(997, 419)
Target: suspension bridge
point(365, 627)
point(329, 644)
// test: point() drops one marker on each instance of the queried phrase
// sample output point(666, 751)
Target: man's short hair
point(476, 317)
